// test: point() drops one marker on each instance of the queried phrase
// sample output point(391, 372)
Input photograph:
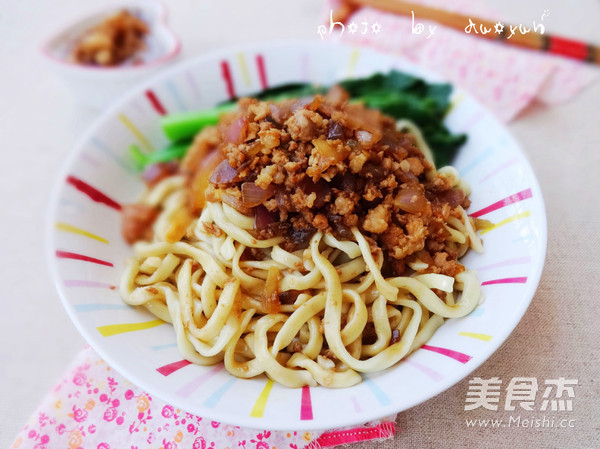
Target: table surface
point(40, 122)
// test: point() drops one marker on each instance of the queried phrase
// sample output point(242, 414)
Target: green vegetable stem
point(170, 153)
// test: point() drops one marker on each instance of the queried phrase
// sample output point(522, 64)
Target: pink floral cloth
point(505, 78)
point(94, 407)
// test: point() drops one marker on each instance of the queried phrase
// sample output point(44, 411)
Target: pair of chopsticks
point(533, 40)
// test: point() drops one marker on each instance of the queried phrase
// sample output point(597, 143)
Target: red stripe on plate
point(68, 255)
point(226, 74)
point(172, 367)
point(262, 72)
point(517, 280)
point(93, 193)
point(155, 102)
point(306, 412)
point(523, 195)
point(458, 356)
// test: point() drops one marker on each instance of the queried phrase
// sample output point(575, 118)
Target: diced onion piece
point(356, 117)
point(280, 112)
point(374, 171)
point(451, 196)
point(364, 137)
point(234, 202)
point(253, 195)
point(335, 131)
point(315, 103)
point(201, 179)
point(270, 298)
point(481, 224)
point(155, 173)
point(336, 153)
point(262, 218)
point(301, 102)
point(337, 95)
point(321, 189)
point(411, 199)
point(234, 133)
point(224, 174)
point(255, 149)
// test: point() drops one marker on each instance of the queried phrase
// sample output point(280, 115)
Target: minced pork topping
point(326, 164)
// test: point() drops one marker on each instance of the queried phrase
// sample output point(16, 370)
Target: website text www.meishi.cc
point(521, 422)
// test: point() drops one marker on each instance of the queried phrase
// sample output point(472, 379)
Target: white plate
point(87, 226)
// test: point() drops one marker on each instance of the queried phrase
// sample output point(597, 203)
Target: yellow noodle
point(213, 298)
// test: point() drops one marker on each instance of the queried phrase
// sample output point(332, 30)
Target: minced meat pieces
point(329, 165)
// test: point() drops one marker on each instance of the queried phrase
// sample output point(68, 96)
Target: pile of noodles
point(204, 287)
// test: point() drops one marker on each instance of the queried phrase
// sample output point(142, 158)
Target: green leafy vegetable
point(405, 97)
point(185, 125)
point(291, 90)
point(170, 153)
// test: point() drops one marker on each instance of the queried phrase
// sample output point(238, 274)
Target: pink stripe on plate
point(429, 372)
point(306, 412)
point(155, 102)
point(520, 196)
point(81, 283)
point(89, 158)
point(194, 384)
point(478, 115)
point(262, 71)
point(506, 263)
point(166, 370)
point(227, 79)
point(93, 193)
point(193, 84)
point(458, 356)
point(518, 280)
point(69, 255)
point(499, 169)
point(304, 66)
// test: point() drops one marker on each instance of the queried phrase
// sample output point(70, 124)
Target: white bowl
point(98, 87)
point(86, 251)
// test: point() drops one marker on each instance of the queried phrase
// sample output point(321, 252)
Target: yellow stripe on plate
point(483, 337)
point(458, 100)
point(75, 230)
point(354, 55)
point(135, 131)
point(244, 68)
point(261, 402)
point(510, 219)
point(114, 329)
